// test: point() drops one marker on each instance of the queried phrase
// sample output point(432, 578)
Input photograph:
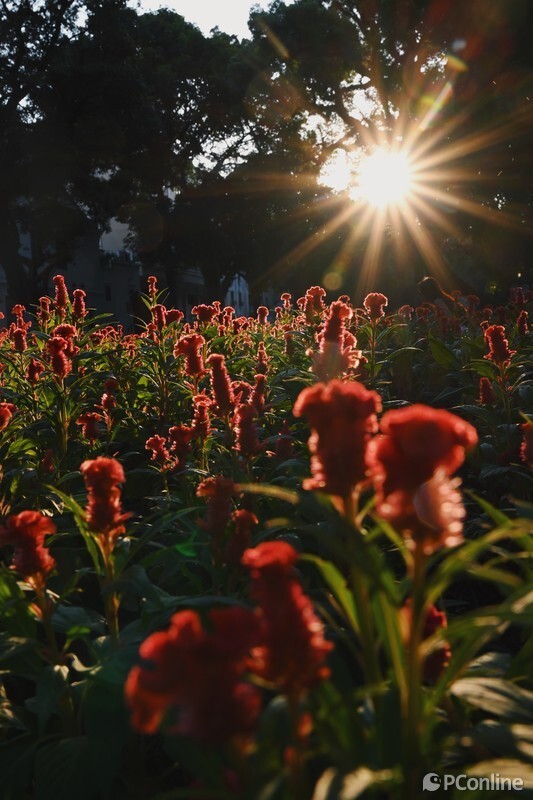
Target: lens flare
point(384, 179)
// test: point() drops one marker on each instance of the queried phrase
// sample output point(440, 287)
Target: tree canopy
point(212, 149)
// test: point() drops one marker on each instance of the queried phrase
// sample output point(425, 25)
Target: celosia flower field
point(285, 557)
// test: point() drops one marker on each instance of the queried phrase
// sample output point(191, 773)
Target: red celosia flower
point(180, 437)
point(498, 345)
point(286, 298)
point(486, 392)
point(242, 391)
point(78, 306)
point(174, 315)
point(522, 323)
point(152, 286)
point(159, 316)
point(438, 659)
point(108, 402)
point(18, 337)
point(219, 492)
point(160, 454)
point(293, 649)
point(201, 423)
point(262, 315)
point(18, 312)
point(374, 303)
point(191, 346)
point(61, 294)
point(104, 510)
point(6, 412)
point(313, 304)
point(262, 359)
point(241, 536)
point(411, 463)
point(526, 448)
point(26, 533)
point(89, 424)
point(204, 314)
point(195, 676)
point(257, 399)
point(336, 346)
point(245, 429)
point(43, 314)
point(334, 327)
point(34, 370)
point(221, 384)
point(289, 343)
point(405, 312)
point(342, 417)
point(61, 365)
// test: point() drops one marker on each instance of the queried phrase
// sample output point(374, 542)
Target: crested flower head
point(26, 533)
point(342, 417)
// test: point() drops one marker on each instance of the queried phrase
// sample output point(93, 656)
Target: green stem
point(111, 599)
point(46, 608)
point(413, 761)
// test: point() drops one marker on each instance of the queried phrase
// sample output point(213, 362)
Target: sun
point(381, 179)
point(384, 179)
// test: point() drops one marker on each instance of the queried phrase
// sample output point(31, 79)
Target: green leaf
point(64, 770)
point(337, 583)
point(16, 766)
point(14, 610)
point(497, 697)
point(442, 354)
point(332, 785)
point(51, 688)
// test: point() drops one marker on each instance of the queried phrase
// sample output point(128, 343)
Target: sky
point(231, 16)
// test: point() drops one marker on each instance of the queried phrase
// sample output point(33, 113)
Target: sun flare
point(381, 179)
point(384, 179)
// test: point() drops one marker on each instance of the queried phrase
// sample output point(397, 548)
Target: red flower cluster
point(486, 392)
point(245, 429)
point(526, 448)
point(195, 676)
point(26, 533)
point(342, 417)
point(61, 365)
point(61, 299)
point(498, 345)
point(78, 306)
point(221, 384)
point(6, 412)
point(438, 659)
point(34, 370)
point(374, 304)
point(336, 354)
point(293, 650)
point(204, 314)
point(411, 463)
point(219, 492)
point(190, 346)
point(102, 477)
point(89, 424)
